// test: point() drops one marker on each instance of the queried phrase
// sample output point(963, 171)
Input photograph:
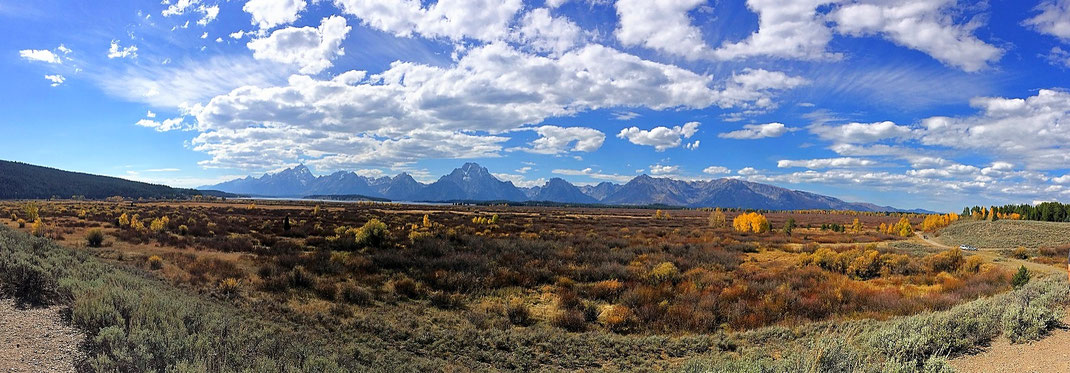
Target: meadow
point(273, 285)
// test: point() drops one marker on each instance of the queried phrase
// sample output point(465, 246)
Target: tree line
point(1046, 211)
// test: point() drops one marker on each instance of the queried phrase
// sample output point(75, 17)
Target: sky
point(930, 104)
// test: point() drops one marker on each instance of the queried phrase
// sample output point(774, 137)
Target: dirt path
point(993, 256)
point(36, 340)
point(1046, 355)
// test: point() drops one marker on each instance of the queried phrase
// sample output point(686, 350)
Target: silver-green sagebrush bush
point(918, 343)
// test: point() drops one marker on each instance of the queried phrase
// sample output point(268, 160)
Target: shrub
point(571, 320)
point(1021, 278)
point(155, 262)
point(22, 223)
point(354, 294)
point(299, 277)
point(372, 234)
point(94, 237)
point(406, 287)
point(37, 228)
point(665, 271)
point(229, 286)
point(1020, 253)
point(518, 313)
point(446, 301)
point(618, 318)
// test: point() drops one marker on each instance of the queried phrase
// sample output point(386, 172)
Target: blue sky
point(911, 103)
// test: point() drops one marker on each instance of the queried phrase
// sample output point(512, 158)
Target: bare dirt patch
point(1047, 355)
point(36, 339)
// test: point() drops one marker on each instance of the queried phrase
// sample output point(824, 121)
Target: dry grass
point(1006, 234)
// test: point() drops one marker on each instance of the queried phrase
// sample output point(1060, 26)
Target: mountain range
point(472, 182)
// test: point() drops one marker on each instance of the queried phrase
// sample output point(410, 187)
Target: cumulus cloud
point(40, 55)
point(312, 49)
point(273, 147)
point(546, 33)
point(758, 131)
point(844, 162)
point(857, 133)
point(1054, 19)
point(716, 170)
point(661, 25)
point(208, 12)
point(558, 140)
point(117, 51)
point(1033, 130)
point(486, 20)
point(747, 171)
point(493, 88)
point(661, 138)
point(55, 79)
point(660, 170)
point(923, 25)
point(267, 14)
point(166, 125)
point(787, 29)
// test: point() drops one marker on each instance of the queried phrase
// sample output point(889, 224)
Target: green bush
point(94, 237)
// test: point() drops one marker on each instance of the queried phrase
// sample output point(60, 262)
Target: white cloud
point(659, 169)
point(625, 115)
point(189, 82)
point(55, 79)
point(1065, 179)
point(661, 25)
point(747, 171)
point(1054, 19)
point(493, 88)
point(237, 35)
point(716, 170)
point(273, 147)
point(751, 88)
point(843, 162)
point(180, 7)
point(855, 133)
point(210, 14)
point(267, 14)
point(661, 138)
point(117, 51)
point(1034, 130)
point(311, 48)
point(523, 170)
point(758, 131)
point(924, 25)
point(166, 125)
point(597, 175)
point(546, 33)
point(787, 29)
point(150, 114)
point(558, 140)
point(692, 145)
point(520, 180)
point(486, 20)
point(40, 55)
point(1058, 57)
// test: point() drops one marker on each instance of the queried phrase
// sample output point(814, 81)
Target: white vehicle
point(967, 248)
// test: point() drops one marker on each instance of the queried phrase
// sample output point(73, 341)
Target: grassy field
point(283, 287)
point(1006, 234)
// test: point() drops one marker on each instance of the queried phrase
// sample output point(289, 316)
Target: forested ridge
point(24, 181)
